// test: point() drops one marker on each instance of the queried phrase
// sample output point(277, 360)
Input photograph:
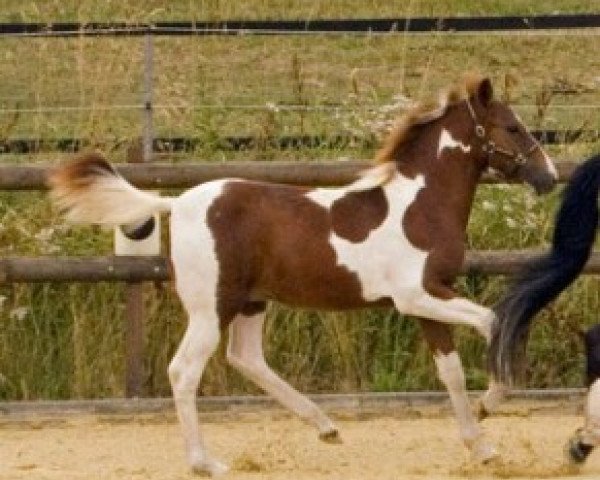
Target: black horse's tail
point(546, 277)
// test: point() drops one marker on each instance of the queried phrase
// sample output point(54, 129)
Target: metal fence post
point(134, 307)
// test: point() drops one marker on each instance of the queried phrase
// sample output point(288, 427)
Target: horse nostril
point(544, 185)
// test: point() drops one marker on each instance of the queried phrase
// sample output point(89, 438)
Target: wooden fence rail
point(156, 268)
point(185, 175)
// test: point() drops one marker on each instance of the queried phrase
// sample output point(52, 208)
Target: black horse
point(542, 281)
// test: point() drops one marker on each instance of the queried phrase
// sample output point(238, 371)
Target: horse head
point(505, 144)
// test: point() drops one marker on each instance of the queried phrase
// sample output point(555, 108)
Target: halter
point(490, 148)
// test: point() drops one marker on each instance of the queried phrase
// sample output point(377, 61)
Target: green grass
point(66, 341)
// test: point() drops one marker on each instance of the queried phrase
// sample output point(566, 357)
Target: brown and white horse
point(396, 236)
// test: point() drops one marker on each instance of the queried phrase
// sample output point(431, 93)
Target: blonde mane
point(424, 113)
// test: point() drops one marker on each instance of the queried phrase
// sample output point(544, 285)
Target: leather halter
point(490, 148)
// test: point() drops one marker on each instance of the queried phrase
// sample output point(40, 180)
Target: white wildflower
point(44, 235)
point(19, 313)
point(273, 107)
point(487, 205)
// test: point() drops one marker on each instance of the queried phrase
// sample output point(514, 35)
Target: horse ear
point(485, 91)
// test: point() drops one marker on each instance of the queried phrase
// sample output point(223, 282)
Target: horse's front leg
point(448, 308)
point(450, 371)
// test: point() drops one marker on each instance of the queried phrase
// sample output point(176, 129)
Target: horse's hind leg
point(198, 344)
point(245, 353)
point(450, 371)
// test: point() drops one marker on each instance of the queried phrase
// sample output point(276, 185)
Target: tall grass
point(66, 341)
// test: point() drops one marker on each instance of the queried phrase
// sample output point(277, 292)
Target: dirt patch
point(270, 445)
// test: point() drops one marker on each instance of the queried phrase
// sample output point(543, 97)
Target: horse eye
point(512, 129)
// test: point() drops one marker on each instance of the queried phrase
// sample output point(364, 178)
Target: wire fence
point(476, 24)
point(309, 85)
point(101, 90)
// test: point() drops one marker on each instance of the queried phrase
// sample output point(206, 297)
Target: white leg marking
point(196, 273)
point(245, 353)
point(451, 374)
point(198, 344)
point(456, 311)
point(591, 431)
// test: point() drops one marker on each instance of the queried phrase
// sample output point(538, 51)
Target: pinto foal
point(396, 237)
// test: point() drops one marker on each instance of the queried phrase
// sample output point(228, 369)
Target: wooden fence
point(184, 175)
point(156, 268)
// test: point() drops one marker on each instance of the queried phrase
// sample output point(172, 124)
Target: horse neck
point(450, 177)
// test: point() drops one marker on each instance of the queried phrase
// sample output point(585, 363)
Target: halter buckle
point(479, 131)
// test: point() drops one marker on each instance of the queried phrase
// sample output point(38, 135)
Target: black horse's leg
point(582, 443)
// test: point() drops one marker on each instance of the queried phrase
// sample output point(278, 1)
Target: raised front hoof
point(209, 468)
point(332, 436)
point(576, 451)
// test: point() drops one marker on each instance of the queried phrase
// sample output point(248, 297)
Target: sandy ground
point(272, 445)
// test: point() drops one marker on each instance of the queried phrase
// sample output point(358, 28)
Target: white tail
point(90, 190)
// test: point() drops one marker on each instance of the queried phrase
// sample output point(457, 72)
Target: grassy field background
point(66, 341)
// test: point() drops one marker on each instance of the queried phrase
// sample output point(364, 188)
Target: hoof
point(210, 468)
point(480, 411)
point(484, 453)
point(576, 451)
point(332, 436)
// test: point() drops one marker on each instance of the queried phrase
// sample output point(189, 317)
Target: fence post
point(134, 307)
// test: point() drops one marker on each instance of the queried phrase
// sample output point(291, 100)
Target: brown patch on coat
point(80, 173)
point(438, 336)
point(272, 243)
point(356, 214)
point(436, 221)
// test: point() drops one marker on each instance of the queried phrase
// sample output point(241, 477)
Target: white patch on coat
point(386, 263)
point(193, 246)
point(196, 271)
point(549, 163)
point(593, 403)
point(450, 372)
point(448, 141)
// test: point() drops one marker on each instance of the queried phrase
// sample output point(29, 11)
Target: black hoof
point(481, 412)
point(578, 451)
point(332, 436)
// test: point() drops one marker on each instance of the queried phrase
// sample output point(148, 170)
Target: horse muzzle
point(545, 185)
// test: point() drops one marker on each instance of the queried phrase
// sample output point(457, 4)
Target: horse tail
point(90, 190)
point(543, 279)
